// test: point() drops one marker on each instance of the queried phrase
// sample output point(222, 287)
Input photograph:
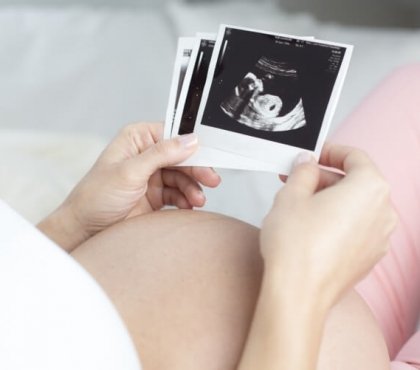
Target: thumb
point(163, 154)
point(305, 175)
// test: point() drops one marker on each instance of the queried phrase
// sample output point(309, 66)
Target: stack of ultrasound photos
point(255, 99)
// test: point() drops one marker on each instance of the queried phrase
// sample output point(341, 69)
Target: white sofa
point(70, 77)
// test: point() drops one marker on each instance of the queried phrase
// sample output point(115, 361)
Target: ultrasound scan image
point(186, 56)
point(195, 92)
point(271, 87)
point(267, 98)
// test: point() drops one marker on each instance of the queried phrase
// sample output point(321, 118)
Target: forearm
point(286, 330)
point(63, 228)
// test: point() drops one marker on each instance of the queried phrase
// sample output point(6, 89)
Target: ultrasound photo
point(183, 56)
point(193, 86)
point(186, 55)
point(256, 99)
point(272, 87)
point(267, 98)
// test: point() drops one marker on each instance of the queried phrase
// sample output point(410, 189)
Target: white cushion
point(38, 169)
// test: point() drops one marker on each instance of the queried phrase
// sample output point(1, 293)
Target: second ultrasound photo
point(193, 86)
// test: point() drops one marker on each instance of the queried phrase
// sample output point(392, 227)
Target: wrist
point(298, 289)
point(63, 227)
point(287, 327)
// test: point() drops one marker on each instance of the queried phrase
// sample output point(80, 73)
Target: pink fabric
point(402, 366)
point(410, 353)
point(387, 126)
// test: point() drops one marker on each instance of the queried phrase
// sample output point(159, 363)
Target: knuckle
point(359, 153)
point(133, 130)
point(309, 168)
point(360, 156)
point(363, 153)
point(377, 185)
point(130, 133)
point(128, 129)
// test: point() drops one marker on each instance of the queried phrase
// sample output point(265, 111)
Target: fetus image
point(267, 98)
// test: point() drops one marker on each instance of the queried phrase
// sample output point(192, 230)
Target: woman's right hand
point(326, 231)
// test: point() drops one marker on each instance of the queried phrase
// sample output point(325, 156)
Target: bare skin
point(191, 286)
point(187, 295)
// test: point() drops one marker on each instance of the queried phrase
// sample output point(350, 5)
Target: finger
point(133, 129)
point(173, 197)
point(206, 176)
point(188, 186)
point(327, 178)
point(162, 154)
point(156, 128)
point(132, 140)
point(344, 158)
point(304, 177)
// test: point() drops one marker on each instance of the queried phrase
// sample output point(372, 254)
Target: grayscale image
point(186, 56)
point(267, 98)
point(183, 56)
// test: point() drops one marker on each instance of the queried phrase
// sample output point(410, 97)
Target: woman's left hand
point(133, 177)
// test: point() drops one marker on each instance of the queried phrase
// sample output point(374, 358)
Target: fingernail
point(201, 195)
point(304, 157)
point(215, 172)
point(188, 140)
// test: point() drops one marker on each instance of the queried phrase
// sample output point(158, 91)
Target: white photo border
point(279, 156)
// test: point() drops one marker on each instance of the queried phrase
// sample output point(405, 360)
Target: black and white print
point(182, 59)
point(193, 86)
point(188, 101)
point(269, 96)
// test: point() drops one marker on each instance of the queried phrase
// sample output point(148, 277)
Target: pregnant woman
point(203, 291)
